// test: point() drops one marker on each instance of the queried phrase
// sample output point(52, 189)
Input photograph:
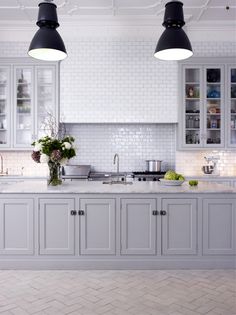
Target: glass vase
point(54, 174)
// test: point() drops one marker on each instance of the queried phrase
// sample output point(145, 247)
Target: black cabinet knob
point(163, 212)
point(73, 212)
point(144, 179)
point(155, 212)
point(81, 212)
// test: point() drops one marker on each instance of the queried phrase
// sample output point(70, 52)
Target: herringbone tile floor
point(154, 292)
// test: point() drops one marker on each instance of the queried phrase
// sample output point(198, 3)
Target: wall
point(97, 144)
point(117, 81)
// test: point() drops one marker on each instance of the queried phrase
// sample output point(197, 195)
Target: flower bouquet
point(55, 152)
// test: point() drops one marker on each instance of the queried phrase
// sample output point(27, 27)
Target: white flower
point(63, 161)
point(67, 145)
point(44, 158)
point(37, 147)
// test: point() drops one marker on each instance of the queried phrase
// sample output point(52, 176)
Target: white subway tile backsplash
point(97, 144)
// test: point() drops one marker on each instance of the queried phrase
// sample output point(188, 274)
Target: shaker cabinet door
point(179, 227)
point(138, 226)
point(97, 226)
point(16, 227)
point(219, 226)
point(56, 226)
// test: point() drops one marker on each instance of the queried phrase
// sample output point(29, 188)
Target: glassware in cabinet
point(232, 103)
point(4, 106)
point(192, 106)
point(24, 107)
point(46, 99)
point(213, 105)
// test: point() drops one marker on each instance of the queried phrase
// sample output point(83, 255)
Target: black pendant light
point(173, 43)
point(47, 43)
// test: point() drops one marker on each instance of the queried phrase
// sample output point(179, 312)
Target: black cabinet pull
point(155, 212)
point(73, 212)
point(81, 212)
point(163, 212)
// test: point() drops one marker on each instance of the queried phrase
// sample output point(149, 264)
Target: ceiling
point(194, 10)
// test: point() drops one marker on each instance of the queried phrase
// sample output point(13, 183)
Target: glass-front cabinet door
point(232, 105)
point(23, 109)
point(4, 106)
point(214, 106)
point(204, 106)
point(193, 107)
point(46, 99)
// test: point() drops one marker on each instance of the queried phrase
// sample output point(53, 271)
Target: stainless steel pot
point(153, 165)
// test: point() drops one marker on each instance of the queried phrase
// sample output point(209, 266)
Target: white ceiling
point(194, 10)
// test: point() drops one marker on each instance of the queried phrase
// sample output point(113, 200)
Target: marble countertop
point(83, 187)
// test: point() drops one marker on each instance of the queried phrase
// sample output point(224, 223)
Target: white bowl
point(169, 182)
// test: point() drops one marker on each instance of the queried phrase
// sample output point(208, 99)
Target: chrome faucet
point(116, 161)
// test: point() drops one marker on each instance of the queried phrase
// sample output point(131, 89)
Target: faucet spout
point(116, 160)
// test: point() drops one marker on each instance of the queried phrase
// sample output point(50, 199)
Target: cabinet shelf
point(2, 129)
point(212, 129)
point(23, 83)
point(192, 98)
point(214, 83)
point(193, 114)
point(215, 114)
point(192, 83)
point(213, 98)
point(192, 129)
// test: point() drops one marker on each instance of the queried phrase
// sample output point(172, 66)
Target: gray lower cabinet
point(97, 226)
point(179, 226)
point(56, 226)
point(219, 227)
point(17, 226)
point(138, 226)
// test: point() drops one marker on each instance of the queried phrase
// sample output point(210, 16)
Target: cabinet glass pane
point(4, 86)
point(23, 106)
point(213, 105)
point(233, 106)
point(192, 106)
point(45, 98)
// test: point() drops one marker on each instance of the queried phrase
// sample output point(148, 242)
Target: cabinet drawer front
point(56, 226)
point(179, 227)
point(138, 227)
point(17, 227)
point(97, 226)
point(219, 227)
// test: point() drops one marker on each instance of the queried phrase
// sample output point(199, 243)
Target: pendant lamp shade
point(47, 43)
point(173, 43)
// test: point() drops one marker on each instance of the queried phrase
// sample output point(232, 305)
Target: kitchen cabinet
point(219, 226)
point(56, 226)
point(28, 97)
point(207, 103)
point(138, 226)
point(17, 226)
point(231, 94)
point(97, 233)
point(5, 121)
point(179, 226)
point(118, 230)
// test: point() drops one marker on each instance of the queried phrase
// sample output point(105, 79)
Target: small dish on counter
point(169, 182)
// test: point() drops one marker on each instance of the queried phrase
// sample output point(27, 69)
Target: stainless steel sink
point(117, 182)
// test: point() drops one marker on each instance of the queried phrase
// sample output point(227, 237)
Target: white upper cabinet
point(207, 104)
point(28, 94)
point(5, 121)
point(231, 93)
